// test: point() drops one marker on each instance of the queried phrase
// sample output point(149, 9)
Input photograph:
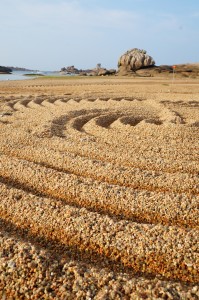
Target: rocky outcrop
point(70, 70)
point(91, 72)
point(181, 71)
point(105, 72)
point(5, 70)
point(133, 60)
point(187, 70)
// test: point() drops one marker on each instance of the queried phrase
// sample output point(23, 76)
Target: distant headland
point(5, 70)
point(9, 70)
point(19, 69)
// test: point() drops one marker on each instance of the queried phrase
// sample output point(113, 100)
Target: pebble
point(99, 199)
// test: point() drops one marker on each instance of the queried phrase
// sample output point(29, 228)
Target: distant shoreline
point(5, 73)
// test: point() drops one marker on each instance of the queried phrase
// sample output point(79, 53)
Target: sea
point(20, 75)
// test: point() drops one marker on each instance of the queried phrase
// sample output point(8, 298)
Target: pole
point(173, 73)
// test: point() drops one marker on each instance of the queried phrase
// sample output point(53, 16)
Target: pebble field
point(99, 189)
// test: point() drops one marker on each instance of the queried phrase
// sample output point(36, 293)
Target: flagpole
point(173, 67)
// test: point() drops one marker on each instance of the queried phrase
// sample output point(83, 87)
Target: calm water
point(19, 75)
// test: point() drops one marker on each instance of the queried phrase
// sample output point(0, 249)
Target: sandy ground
point(99, 186)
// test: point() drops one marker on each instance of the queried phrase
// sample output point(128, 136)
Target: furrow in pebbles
point(153, 249)
point(140, 205)
point(31, 271)
point(107, 172)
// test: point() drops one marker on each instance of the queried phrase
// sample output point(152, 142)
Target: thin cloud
point(72, 13)
point(71, 16)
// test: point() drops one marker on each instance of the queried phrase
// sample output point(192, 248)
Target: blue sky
point(50, 34)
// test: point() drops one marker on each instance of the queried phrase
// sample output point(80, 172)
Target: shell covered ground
point(99, 189)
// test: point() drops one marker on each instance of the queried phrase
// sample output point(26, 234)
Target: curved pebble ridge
point(99, 189)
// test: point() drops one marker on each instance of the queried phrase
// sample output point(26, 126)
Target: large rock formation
point(5, 70)
point(133, 60)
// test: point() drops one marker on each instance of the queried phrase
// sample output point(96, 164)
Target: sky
point(51, 34)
